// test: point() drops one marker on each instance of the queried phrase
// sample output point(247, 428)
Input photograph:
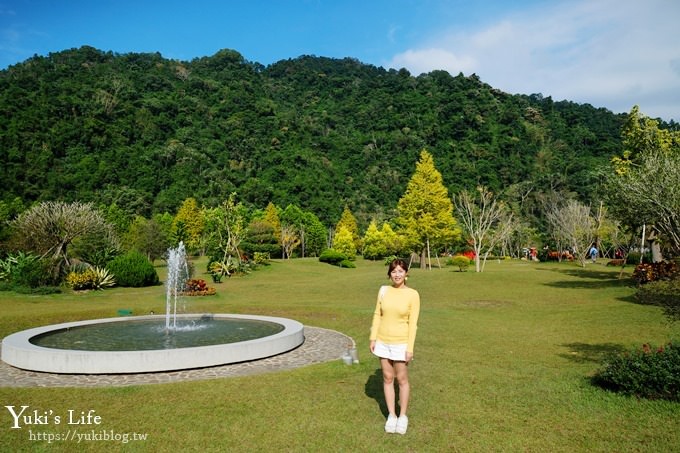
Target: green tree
point(315, 234)
point(426, 211)
point(147, 237)
point(263, 238)
point(117, 217)
point(8, 212)
point(164, 221)
point(306, 228)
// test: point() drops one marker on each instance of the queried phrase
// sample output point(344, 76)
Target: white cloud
point(426, 60)
point(612, 54)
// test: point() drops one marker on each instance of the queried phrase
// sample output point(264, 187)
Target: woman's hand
point(409, 357)
point(371, 345)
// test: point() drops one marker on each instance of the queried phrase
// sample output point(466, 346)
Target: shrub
point(133, 270)
point(646, 372)
point(634, 258)
point(332, 256)
point(261, 258)
point(347, 264)
point(99, 256)
point(462, 262)
point(30, 271)
point(665, 294)
point(389, 259)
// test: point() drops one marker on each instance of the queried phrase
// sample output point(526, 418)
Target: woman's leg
point(401, 372)
point(388, 385)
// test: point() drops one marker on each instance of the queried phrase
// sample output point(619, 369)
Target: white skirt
point(390, 351)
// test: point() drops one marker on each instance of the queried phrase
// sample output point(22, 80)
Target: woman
point(393, 334)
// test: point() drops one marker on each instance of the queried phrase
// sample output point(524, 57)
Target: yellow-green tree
point(347, 220)
point(188, 225)
point(640, 137)
point(373, 242)
point(271, 216)
point(425, 211)
point(643, 189)
point(393, 242)
point(344, 243)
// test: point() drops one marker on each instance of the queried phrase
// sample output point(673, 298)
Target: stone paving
point(320, 345)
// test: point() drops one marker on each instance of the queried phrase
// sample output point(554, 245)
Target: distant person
point(393, 334)
point(593, 253)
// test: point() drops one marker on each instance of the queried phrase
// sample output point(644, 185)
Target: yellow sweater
point(395, 319)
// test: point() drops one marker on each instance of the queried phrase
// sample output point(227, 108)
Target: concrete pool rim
point(18, 351)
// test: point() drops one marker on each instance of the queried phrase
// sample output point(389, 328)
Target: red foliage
point(651, 272)
point(470, 254)
point(198, 287)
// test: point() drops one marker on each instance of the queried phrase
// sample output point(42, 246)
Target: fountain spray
point(178, 273)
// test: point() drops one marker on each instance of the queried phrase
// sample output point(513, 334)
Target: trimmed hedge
point(332, 256)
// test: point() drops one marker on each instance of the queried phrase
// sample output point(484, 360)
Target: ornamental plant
point(79, 281)
point(198, 287)
point(90, 278)
point(460, 261)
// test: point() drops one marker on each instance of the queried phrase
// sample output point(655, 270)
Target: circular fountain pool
point(142, 344)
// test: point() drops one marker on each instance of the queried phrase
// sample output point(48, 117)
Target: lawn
point(502, 364)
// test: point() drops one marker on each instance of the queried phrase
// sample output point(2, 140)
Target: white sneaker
point(402, 424)
point(391, 424)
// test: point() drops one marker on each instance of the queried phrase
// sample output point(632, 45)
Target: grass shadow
point(591, 279)
point(374, 389)
point(590, 353)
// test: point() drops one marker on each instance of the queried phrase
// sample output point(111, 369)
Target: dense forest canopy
point(146, 133)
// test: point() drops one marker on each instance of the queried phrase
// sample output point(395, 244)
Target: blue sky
point(608, 53)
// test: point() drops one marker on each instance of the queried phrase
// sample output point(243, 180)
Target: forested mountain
point(146, 132)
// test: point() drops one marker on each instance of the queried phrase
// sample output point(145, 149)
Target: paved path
point(321, 345)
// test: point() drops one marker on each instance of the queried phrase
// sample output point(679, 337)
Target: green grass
point(502, 364)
